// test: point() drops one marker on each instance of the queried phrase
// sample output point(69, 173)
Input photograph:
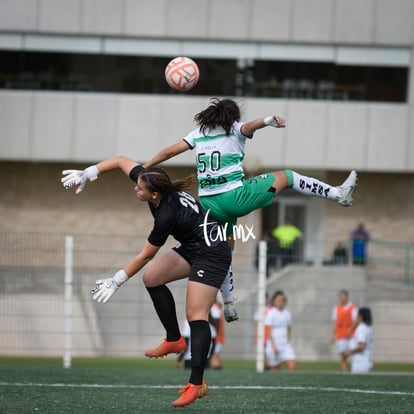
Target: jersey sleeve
point(361, 334)
point(163, 226)
point(189, 139)
point(160, 232)
point(237, 129)
point(333, 317)
point(135, 172)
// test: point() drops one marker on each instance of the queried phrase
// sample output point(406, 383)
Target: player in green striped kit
point(219, 142)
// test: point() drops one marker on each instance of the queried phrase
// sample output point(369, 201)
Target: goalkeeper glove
point(79, 177)
point(105, 288)
point(274, 121)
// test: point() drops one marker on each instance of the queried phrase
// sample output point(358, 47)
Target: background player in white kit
point(278, 325)
point(360, 346)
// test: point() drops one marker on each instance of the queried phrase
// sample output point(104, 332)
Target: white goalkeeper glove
point(105, 288)
point(79, 177)
point(275, 121)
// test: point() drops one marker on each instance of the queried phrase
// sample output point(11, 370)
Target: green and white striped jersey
point(219, 158)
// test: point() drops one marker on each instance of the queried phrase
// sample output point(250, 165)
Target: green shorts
point(227, 207)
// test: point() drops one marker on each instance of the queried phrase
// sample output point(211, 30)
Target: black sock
point(164, 305)
point(200, 345)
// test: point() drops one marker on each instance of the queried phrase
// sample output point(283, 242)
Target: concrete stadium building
point(59, 105)
point(83, 80)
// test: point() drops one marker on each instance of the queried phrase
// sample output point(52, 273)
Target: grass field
point(147, 386)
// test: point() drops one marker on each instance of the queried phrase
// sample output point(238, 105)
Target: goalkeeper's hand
point(79, 178)
point(275, 121)
point(105, 288)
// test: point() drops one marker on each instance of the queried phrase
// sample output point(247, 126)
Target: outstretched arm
point(141, 259)
point(105, 288)
point(123, 163)
point(249, 128)
point(359, 348)
point(167, 153)
point(79, 178)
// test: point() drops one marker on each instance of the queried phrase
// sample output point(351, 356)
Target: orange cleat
point(173, 347)
point(190, 393)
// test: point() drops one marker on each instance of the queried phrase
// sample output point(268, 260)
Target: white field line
point(225, 387)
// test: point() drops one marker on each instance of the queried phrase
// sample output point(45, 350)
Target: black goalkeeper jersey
point(180, 215)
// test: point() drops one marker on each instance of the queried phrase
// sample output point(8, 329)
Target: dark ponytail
point(222, 113)
point(158, 180)
point(366, 315)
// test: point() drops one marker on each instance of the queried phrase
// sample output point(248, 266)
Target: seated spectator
point(340, 254)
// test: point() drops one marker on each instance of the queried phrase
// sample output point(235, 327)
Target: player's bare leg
point(290, 365)
point(344, 362)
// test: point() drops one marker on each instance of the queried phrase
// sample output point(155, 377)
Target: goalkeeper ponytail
point(158, 180)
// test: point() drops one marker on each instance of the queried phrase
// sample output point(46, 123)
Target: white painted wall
point(380, 22)
point(86, 127)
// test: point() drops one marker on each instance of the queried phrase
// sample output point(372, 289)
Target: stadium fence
point(46, 308)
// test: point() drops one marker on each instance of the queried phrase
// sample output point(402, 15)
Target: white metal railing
point(46, 308)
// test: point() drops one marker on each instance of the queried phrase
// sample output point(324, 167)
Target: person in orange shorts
point(344, 316)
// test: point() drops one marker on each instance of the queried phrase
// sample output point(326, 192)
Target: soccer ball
point(182, 74)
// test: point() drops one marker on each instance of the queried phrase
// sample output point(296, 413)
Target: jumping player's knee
point(146, 280)
point(283, 180)
point(149, 280)
point(196, 315)
point(197, 310)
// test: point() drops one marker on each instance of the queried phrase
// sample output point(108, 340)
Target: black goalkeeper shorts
point(209, 265)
